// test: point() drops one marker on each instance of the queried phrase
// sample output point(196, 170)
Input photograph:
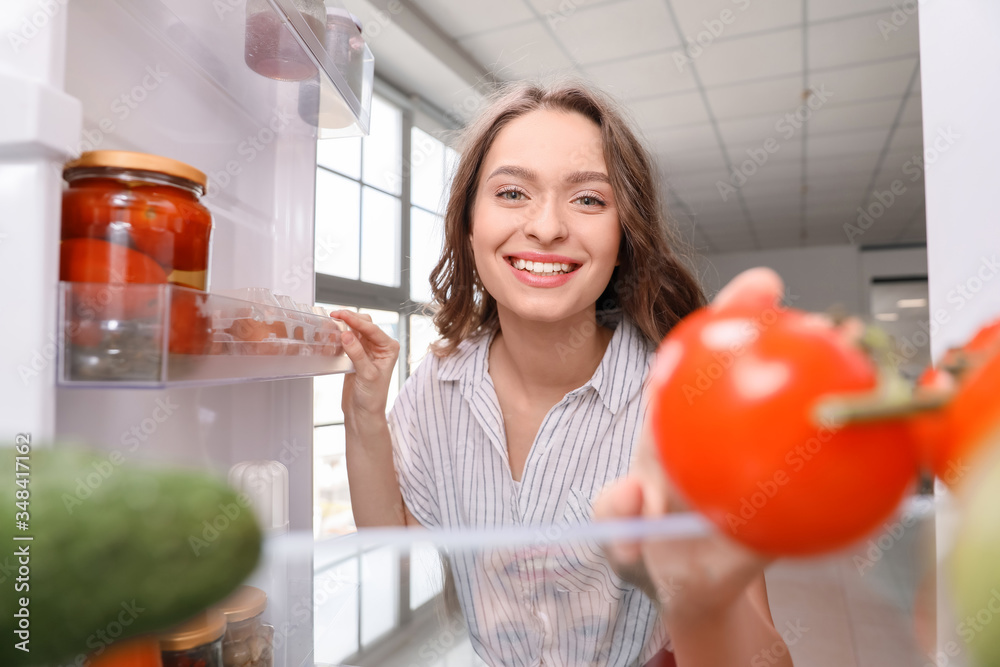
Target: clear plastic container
point(249, 642)
point(345, 45)
point(195, 643)
point(271, 49)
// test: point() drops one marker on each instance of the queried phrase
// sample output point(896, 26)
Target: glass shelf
point(158, 336)
point(380, 595)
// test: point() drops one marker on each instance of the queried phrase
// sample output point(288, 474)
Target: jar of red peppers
point(147, 205)
point(196, 643)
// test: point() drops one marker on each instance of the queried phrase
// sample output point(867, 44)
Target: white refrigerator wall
point(960, 59)
point(167, 77)
point(37, 121)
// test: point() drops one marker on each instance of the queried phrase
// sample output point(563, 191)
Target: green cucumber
point(117, 549)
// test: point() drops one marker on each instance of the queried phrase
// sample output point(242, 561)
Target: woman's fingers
point(760, 286)
point(363, 324)
point(620, 500)
point(364, 367)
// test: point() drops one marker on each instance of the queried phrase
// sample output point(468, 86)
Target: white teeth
point(541, 268)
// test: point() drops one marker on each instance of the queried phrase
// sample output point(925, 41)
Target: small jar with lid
point(195, 643)
point(134, 217)
point(141, 651)
point(248, 642)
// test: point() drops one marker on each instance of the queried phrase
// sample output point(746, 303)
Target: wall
point(818, 277)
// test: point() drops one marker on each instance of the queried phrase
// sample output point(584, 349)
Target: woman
point(556, 283)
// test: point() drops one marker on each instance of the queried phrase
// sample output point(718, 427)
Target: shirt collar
point(618, 377)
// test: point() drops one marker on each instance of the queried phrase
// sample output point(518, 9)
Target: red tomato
point(97, 261)
point(971, 418)
point(949, 437)
point(190, 326)
point(166, 223)
point(108, 267)
point(136, 652)
point(732, 395)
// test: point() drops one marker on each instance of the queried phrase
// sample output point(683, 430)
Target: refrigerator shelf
point(159, 336)
point(214, 40)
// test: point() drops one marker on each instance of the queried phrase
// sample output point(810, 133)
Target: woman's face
point(545, 230)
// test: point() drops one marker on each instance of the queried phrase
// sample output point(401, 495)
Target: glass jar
point(248, 641)
point(134, 652)
point(271, 49)
point(196, 643)
point(147, 207)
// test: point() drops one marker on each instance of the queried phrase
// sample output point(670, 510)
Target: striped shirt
point(556, 604)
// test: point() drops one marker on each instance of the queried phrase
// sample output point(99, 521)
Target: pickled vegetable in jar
point(248, 641)
point(134, 652)
point(146, 203)
point(195, 643)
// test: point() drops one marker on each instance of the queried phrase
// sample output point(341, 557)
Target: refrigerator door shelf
point(212, 39)
point(160, 336)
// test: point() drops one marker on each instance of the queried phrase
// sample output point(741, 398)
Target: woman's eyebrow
point(511, 170)
point(574, 178)
point(578, 177)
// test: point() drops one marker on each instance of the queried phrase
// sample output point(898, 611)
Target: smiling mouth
point(542, 268)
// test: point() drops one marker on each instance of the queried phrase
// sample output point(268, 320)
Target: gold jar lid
point(138, 161)
point(205, 628)
point(245, 602)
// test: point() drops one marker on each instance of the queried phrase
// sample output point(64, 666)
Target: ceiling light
point(887, 317)
point(911, 303)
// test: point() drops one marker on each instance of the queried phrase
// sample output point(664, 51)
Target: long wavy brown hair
point(650, 285)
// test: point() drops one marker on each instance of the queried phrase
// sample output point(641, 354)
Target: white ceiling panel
point(847, 143)
point(645, 76)
point(692, 163)
point(618, 30)
point(698, 191)
point(520, 52)
point(752, 130)
point(787, 150)
point(853, 117)
point(459, 19)
point(857, 40)
point(556, 11)
point(910, 138)
point(824, 235)
point(670, 111)
point(685, 139)
point(865, 81)
point(774, 96)
point(716, 207)
point(913, 111)
point(708, 20)
point(826, 9)
point(843, 165)
point(744, 58)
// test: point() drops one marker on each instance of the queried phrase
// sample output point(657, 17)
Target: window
point(379, 233)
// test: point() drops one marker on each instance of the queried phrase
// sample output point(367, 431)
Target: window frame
point(357, 293)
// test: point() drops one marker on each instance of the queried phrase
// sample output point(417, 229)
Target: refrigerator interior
point(168, 77)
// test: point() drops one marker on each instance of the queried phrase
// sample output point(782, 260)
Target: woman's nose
point(546, 224)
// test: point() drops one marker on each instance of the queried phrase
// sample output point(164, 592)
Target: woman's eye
point(590, 200)
point(511, 195)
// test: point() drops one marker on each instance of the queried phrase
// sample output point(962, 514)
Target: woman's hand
point(711, 588)
point(373, 354)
